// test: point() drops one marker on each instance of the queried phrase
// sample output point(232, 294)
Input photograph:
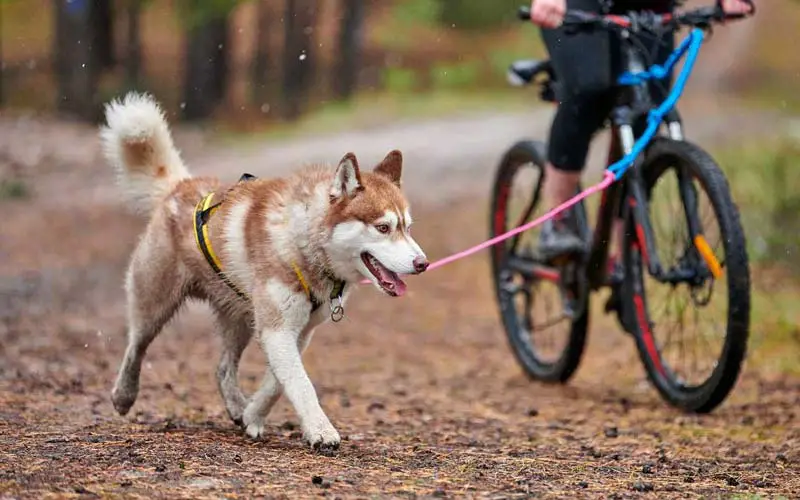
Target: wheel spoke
point(533, 319)
point(678, 319)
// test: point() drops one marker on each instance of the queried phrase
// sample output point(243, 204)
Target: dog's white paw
point(323, 437)
point(256, 430)
point(254, 425)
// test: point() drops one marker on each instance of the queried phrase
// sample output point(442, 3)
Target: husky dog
point(274, 258)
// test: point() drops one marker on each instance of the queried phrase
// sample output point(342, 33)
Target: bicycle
point(639, 165)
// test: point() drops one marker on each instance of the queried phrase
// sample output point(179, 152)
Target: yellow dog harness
point(203, 212)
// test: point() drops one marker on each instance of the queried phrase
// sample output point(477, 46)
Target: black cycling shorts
point(586, 64)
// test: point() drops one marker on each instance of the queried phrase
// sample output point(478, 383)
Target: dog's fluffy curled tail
point(137, 143)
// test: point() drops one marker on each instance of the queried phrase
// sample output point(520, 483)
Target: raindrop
point(219, 46)
point(183, 105)
point(85, 346)
point(99, 333)
point(83, 65)
point(302, 57)
point(265, 108)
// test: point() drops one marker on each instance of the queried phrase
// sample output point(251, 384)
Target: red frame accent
point(547, 274)
point(618, 20)
point(641, 243)
point(647, 335)
point(500, 214)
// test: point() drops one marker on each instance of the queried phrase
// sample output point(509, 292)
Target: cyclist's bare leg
point(559, 185)
point(560, 235)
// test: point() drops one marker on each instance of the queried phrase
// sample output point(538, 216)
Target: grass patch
point(766, 187)
point(13, 189)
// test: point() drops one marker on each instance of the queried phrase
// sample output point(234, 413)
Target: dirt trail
point(424, 388)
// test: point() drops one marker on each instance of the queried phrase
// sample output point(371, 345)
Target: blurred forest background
point(250, 61)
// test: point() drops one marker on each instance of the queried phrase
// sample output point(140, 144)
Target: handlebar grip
point(524, 13)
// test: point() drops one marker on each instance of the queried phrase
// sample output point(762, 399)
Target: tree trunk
point(261, 63)
point(298, 58)
point(2, 64)
point(76, 71)
point(206, 75)
point(133, 58)
point(345, 77)
point(102, 13)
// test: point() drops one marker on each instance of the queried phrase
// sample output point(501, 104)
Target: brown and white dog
point(274, 258)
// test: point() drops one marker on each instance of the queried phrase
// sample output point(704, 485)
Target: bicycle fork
point(638, 203)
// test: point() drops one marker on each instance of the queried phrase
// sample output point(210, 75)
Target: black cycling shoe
point(559, 244)
point(559, 239)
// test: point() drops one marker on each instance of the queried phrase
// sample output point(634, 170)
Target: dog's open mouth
point(388, 280)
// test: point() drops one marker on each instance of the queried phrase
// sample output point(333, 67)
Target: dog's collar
point(337, 292)
point(205, 209)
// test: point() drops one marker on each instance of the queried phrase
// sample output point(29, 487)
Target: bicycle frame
point(626, 154)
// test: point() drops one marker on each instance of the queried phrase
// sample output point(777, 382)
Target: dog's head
point(370, 225)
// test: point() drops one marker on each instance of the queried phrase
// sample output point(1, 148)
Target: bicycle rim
point(692, 334)
point(547, 346)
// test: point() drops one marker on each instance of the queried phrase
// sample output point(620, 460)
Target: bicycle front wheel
point(547, 343)
point(692, 322)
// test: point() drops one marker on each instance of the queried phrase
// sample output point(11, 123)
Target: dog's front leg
point(286, 363)
point(267, 395)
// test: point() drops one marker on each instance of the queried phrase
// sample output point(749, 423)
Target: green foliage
point(458, 14)
point(765, 182)
point(399, 79)
point(478, 14)
point(194, 13)
point(459, 75)
point(416, 12)
point(13, 189)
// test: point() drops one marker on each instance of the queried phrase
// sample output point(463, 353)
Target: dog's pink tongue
point(390, 278)
point(399, 287)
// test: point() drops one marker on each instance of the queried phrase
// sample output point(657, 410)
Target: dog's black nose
point(421, 264)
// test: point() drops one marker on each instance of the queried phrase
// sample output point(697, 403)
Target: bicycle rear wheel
point(547, 346)
point(701, 245)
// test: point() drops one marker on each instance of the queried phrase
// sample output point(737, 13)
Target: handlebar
point(701, 17)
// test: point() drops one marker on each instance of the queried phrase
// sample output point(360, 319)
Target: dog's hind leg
point(236, 335)
point(260, 405)
point(155, 292)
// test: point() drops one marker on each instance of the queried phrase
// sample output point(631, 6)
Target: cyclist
point(586, 64)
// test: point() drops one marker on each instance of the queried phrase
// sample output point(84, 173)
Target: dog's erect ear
point(347, 181)
point(391, 166)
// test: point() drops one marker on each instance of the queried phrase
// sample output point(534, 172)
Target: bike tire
point(706, 396)
point(562, 369)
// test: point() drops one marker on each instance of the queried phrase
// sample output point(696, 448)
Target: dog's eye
point(383, 228)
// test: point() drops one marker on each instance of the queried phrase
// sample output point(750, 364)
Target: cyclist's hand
point(735, 6)
point(548, 13)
